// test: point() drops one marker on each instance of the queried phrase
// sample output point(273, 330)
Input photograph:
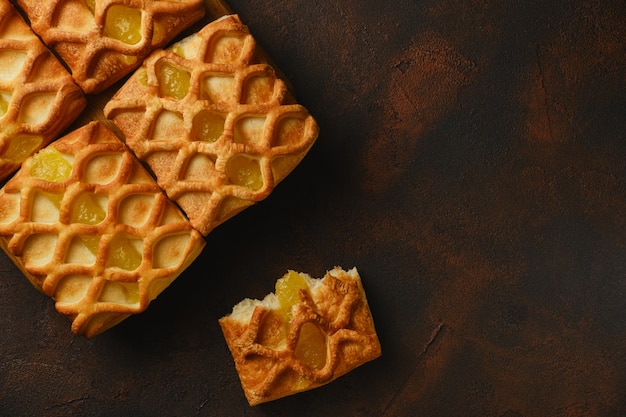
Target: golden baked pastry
point(38, 98)
point(101, 41)
point(306, 334)
point(89, 227)
point(215, 124)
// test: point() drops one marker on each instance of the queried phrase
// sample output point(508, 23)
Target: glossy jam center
point(173, 81)
point(124, 24)
point(245, 172)
point(208, 126)
point(86, 210)
point(48, 164)
point(311, 346)
point(123, 255)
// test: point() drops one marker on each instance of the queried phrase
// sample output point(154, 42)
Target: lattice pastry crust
point(38, 98)
point(215, 124)
point(90, 228)
point(101, 41)
point(305, 335)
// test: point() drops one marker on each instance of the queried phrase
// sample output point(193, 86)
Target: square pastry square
point(306, 334)
point(89, 227)
point(214, 122)
point(38, 98)
point(101, 41)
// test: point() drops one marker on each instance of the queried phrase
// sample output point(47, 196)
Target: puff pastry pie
point(101, 41)
point(89, 227)
point(214, 122)
point(306, 334)
point(38, 98)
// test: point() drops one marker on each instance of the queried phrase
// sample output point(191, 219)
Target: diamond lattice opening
point(123, 23)
point(83, 250)
point(36, 107)
point(134, 210)
point(311, 347)
point(258, 89)
point(89, 208)
point(199, 167)
point(39, 249)
point(289, 131)
point(72, 16)
point(168, 125)
point(207, 126)
point(244, 171)
point(173, 81)
point(119, 292)
point(217, 88)
point(12, 63)
point(72, 288)
point(103, 169)
point(45, 207)
point(249, 130)
point(124, 253)
point(226, 49)
point(50, 165)
point(170, 251)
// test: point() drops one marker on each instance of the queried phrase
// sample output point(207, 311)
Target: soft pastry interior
point(305, 334)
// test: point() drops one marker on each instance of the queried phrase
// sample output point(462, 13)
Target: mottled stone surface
point(471, 164)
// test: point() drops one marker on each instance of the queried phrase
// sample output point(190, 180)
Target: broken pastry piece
point(38, 98)
point(89, 227)
point(215, 124)
point(101, 41)
point(306, 334)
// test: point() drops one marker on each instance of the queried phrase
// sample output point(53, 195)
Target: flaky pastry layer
point(281, 350)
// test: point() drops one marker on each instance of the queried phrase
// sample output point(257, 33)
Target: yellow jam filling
point(173, 81)
point(245, 172)
point(311, 345)
point(4, 105)
point(208, 126)
point(142, 77)
point(123, 254)
point(48, 164)
point(91, 243)
point(288, 292)
point(123, 23)
point(21, 147)
point(86, 210)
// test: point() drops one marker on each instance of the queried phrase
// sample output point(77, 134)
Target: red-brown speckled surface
point(471, 164)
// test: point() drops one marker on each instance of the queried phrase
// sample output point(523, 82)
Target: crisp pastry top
point(90, 228)
point(306, 334)
point(38, 98)
point(101, 41)
point(213, 121)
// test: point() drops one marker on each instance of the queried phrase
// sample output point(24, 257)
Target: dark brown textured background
point(471, 164)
